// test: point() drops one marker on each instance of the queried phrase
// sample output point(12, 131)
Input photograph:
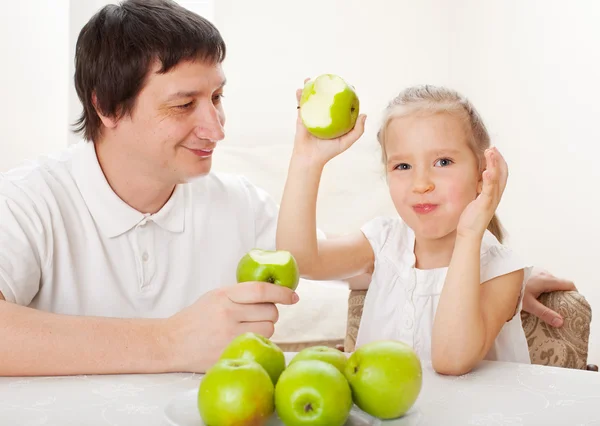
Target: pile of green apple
point(251, 382)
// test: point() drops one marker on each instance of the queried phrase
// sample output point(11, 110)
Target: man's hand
point(543, 282)
point(196, 336)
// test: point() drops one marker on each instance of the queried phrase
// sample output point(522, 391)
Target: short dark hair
point(118, 46)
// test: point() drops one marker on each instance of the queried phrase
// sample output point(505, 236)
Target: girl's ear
point(480, 184)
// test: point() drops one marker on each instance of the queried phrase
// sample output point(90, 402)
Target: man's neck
point(137, 188)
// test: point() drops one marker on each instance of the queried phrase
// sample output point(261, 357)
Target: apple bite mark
point(329, 107)
point(271, 262)
point(314, 111)
point(270, 258)
point(275, 267)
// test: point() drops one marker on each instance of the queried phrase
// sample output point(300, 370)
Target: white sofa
point(353, 191)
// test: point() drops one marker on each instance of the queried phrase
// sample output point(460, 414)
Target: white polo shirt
point(70, 245)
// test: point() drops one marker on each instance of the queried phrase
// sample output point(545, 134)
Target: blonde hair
point(434, 99)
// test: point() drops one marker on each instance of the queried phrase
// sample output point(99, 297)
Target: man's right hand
point(196, 336)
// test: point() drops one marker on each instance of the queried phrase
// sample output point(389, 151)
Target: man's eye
point(443, 162)
point(217, 98)
point(185, 106)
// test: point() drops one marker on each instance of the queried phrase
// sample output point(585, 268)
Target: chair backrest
point(562, 347)
point(566, 346)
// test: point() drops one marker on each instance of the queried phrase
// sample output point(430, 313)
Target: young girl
point(441, 279)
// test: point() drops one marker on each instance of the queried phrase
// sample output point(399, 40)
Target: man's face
point(175, 123)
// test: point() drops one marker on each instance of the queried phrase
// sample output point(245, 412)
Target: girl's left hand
point(477, 215)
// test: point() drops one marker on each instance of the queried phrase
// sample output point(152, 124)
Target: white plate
point(183, 411)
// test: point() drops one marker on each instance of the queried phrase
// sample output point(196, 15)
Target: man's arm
point(36, 343)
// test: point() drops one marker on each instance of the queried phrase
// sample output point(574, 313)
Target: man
point(119, 254)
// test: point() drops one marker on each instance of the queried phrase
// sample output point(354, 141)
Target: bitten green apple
point(311, 393)
point(254, 347)
point(385, 377)
point(323, 353)
point(329, 106)
point(277, 267)
point(236, 392)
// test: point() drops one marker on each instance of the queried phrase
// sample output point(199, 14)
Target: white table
point(494, 394)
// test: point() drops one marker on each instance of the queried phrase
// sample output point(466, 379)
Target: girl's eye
point(402, 166)
point(217, 98)
point(443, 162)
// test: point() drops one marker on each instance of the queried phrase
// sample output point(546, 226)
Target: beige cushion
point(566, 346)
point(319, 318)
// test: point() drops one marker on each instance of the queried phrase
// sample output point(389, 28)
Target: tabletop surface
point(493, 394)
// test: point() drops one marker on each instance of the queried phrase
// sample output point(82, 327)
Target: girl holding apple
point(442, 281)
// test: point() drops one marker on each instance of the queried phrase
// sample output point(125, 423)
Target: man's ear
point(109, 122)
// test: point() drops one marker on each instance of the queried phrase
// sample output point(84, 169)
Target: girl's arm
point(470, 315)
point(337, 258)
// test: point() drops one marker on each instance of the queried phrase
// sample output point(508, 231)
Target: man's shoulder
point(37, 175)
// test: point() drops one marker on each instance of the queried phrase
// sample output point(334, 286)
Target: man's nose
point(209, 124)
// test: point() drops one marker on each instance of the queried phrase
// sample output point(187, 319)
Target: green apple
point(313, 392)
point(236, 392)
point(328, 106)
point(254, 347)
point(323, 353)
point(272, 266)
point(385, 377)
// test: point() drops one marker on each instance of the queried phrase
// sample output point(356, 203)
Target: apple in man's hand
point(329, 106)
point(254, 347)
point(313, 392)
point(236, 392)
point(276, 267)
point(385, 377)
point(333, 356)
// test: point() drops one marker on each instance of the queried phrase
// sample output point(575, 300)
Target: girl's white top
point(401, 301)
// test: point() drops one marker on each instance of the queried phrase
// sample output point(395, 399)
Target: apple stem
point(307, 408)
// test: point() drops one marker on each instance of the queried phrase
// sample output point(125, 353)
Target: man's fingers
point(559, 284)
point(257, 312)
point(534, 307)
point(264, 328)
point(261, 292)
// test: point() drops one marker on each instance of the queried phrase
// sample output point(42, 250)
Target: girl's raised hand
point(478, 214)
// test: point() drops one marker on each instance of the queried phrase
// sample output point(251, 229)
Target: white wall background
point(531, 67)
point(34, 78)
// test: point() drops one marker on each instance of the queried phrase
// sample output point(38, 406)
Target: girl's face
point(432, 172)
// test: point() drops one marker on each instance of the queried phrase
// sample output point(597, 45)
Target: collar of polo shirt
point(112, 215)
